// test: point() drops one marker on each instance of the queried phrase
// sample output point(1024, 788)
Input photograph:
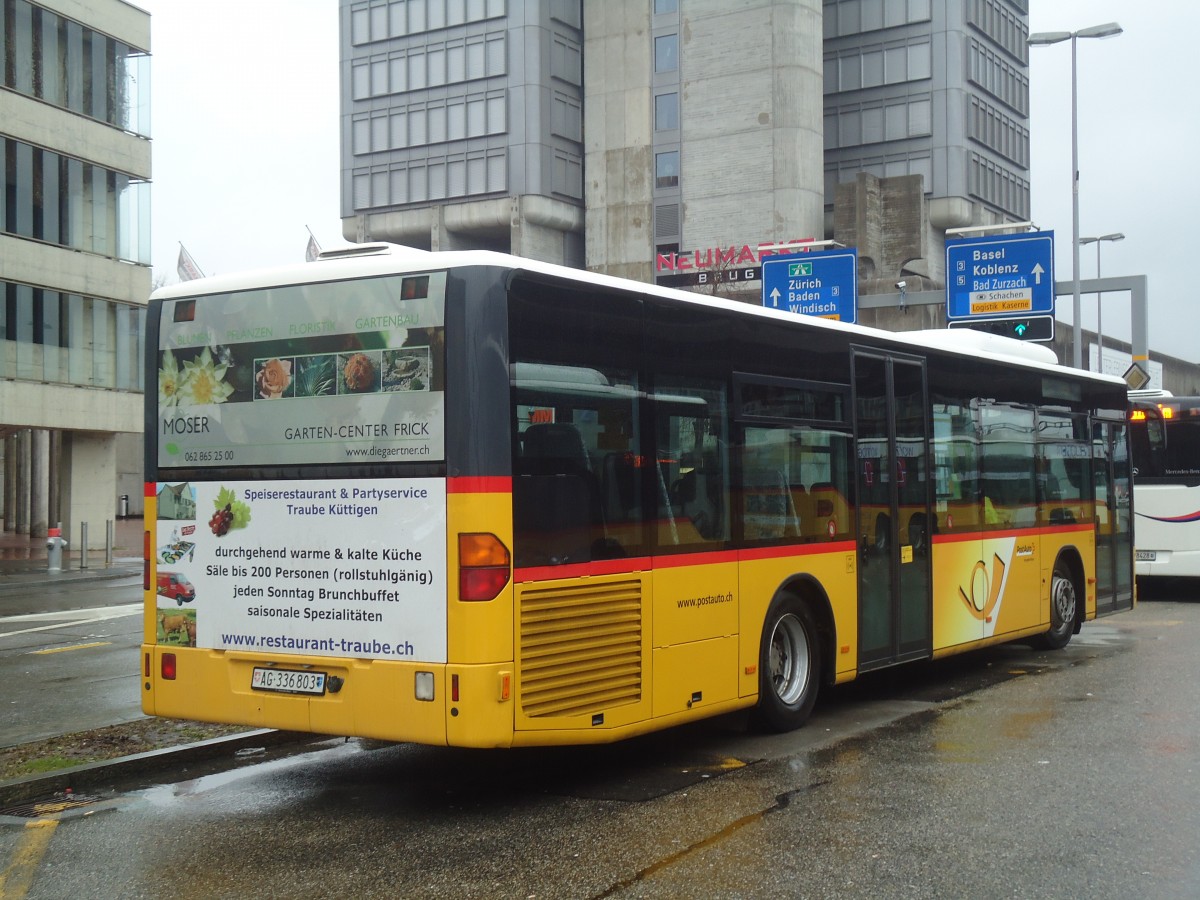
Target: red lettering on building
point(721, 257)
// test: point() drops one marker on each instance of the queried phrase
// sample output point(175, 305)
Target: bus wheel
point(789, 665)
point(1063, 607)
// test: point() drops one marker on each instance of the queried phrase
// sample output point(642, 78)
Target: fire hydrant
point(54, 549)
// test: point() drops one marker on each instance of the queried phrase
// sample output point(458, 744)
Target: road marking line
point(16, 880)
point(96, 612)
point(102, 614)
point(72, 647)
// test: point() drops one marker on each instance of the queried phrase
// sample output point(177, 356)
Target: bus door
point(894, 509)
point(1114, 534)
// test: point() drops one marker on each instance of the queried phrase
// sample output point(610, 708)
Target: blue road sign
point(1000, 276)
point(821, 284)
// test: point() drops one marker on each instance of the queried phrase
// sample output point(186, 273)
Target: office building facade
point(462, 125)
point(709, 129)
point(74, 260)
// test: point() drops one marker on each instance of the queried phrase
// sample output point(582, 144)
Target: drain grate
point(59, 803)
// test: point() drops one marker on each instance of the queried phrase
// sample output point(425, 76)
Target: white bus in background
point(1165, 444)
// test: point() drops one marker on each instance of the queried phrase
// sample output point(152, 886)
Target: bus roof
point(366, 260)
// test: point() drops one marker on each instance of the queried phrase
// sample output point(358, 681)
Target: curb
point(91, 776)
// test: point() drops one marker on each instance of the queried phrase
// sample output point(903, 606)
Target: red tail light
point(168, 666)
point(483, 566)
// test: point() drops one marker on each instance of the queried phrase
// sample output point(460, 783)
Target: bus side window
point(557, 497)
point(769, 510)
point(692, 472)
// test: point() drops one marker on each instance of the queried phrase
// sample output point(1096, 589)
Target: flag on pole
point(186, 267)
point(313, 250)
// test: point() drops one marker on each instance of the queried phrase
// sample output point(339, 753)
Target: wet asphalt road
point(1005, 773)
point(69, 658)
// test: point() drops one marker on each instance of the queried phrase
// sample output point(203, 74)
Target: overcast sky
point(245, 127)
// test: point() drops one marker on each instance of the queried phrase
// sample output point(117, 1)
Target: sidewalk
point(24, 577)
point(23, 560)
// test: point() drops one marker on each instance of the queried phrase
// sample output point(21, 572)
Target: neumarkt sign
point(1000, 276)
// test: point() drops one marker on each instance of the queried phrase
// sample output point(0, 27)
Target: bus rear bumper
point(387, 700)
point(1167, 563)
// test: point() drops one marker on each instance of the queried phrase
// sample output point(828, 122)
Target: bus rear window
point(327, 373)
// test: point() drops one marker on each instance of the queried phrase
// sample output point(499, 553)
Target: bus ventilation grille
point(581, 648)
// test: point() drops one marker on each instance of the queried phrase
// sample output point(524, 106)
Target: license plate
point(1144, 555)
point(288, 681)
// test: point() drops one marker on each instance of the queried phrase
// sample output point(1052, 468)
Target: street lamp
point(1115, 236)
point(1040, 39)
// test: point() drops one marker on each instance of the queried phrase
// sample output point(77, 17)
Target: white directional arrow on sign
point(775, 296)
point(1037, 273)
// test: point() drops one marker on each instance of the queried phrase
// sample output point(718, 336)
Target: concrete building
point(74, 261)
point(703, 129)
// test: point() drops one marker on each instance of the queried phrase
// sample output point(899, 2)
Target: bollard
point(83, 545)
point(109, 537)
point(54, 549)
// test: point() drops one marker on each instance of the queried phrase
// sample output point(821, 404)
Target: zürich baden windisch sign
point(1000, 276)
point(813, 284)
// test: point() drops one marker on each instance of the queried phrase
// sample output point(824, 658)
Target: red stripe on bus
point(581, 570)
point(648, 563)
point(1011, 532)
point(151, 489)
point(793, 550)
point(479, 484)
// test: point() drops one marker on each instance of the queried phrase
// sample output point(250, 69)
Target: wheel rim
point(789, 659)
point(1063, 604)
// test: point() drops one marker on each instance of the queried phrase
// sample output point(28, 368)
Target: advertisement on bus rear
point(321, 568)
point(340, 372)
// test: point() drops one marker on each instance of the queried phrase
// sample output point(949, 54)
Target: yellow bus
point(467, 499)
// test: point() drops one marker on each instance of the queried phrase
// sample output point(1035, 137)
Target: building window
point(64, 201)
point(566, 61)
point(665, 6)
point(666, 53)
point(64, 338)
point(666, 112)
point(62, 63)
point(666, 169)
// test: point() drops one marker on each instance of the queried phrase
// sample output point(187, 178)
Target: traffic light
point(1027, 328)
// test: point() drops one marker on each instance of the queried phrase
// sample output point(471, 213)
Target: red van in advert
point(176, 587)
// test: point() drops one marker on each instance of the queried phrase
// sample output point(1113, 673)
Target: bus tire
point(789, 666)
point(1064, 606)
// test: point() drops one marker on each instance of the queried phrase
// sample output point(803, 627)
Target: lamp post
point(1115, 236)
point(1040, 39)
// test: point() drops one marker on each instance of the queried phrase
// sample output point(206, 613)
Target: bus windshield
point(1165, 440)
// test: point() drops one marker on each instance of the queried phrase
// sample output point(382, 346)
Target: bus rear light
point(481, 584)
point(168, 666)
point(454, 688)
point(505, 686)
point(483, 566)
point(475, 550)
point(423, 686)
